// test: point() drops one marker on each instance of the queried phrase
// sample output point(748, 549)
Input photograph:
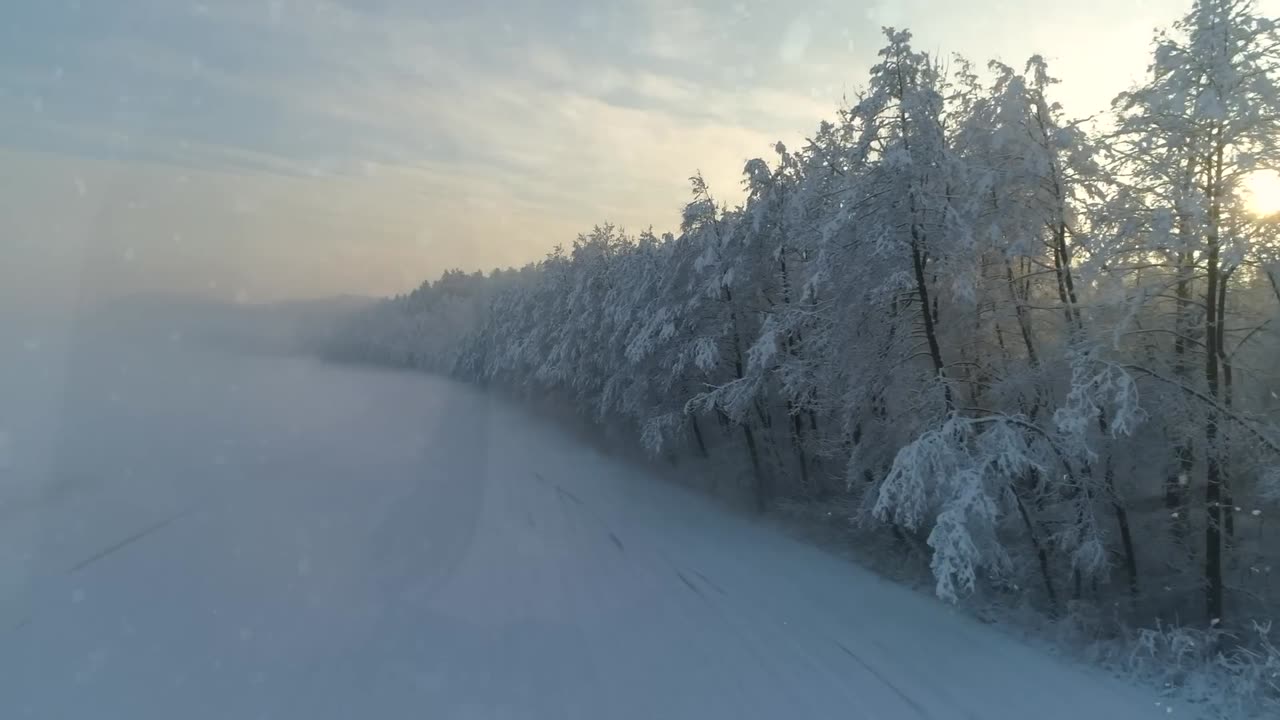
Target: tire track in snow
point(711, 583)
point(129, 540)
point(924, 714)
point(689, 584)
point(567, 495)
point(21, 624)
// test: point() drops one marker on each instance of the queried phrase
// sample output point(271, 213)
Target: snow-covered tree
point(1021, 342)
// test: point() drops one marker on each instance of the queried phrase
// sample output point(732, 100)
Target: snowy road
point(196, 535)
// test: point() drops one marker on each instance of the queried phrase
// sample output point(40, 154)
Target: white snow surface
point(188, 533)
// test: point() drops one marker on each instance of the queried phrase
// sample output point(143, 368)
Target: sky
point(259, 150)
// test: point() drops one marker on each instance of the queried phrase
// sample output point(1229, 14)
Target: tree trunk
point(1024, 323)
point(760, 492)
point(918, 261)
point(1228, 502)
point(1178, 483)
point(930, 332)
point(1126, 536)
point(797, 438)
point(697, 435)
point(1042, 555)
point(1213, 470)
point(1122, 514)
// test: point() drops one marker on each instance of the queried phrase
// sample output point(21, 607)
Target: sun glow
point(1262, 192)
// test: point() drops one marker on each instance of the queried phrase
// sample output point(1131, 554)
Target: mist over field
point(198, 524)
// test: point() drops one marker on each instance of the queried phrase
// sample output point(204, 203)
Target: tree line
point(1042, 350)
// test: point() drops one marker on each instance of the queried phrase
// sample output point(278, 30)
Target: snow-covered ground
point(188, 533)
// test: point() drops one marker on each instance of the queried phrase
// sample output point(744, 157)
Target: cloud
point(296, 148)
point(677, 31)
point(530, 112)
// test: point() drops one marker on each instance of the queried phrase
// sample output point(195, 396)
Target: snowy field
point(192, 533)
